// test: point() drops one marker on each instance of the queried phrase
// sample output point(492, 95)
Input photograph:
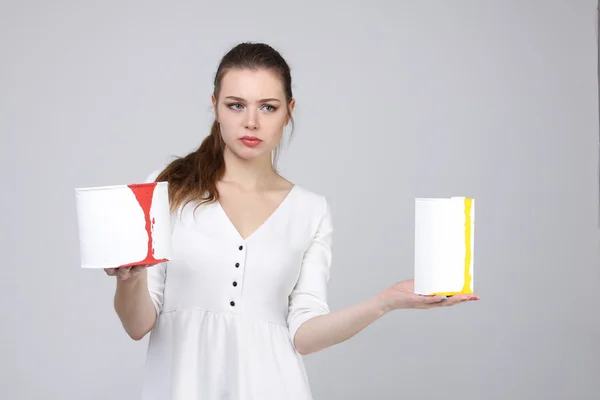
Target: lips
point(250, 141)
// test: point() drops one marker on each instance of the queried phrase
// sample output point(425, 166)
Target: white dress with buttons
point(228, 308)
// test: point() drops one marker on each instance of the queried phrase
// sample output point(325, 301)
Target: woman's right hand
point(125, 273)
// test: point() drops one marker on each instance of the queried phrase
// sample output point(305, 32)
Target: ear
point(213, 100)
point(291, 106)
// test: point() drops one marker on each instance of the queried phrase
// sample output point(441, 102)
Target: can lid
point(111, 187)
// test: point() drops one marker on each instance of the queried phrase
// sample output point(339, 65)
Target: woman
point(245, 295)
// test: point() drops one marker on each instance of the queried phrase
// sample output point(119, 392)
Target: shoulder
point(312, 215)
point(151, 177)
point(314, 203)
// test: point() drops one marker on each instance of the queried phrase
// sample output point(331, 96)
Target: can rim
point(123, 186)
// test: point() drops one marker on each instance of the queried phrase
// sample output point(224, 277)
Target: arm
point(332, 328)
point(313, 327)
point(329, 329)
point(134, 305)
point(139, 294)
point(308, 299)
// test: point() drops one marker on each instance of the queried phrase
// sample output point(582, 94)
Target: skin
point(249, 192)
point(251, 103)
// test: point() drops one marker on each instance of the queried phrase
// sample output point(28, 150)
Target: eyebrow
point(260, 101)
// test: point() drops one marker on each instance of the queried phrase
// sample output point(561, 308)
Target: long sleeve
point(156, 284)
point(309, 296)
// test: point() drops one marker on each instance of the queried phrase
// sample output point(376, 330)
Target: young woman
point(246, 294)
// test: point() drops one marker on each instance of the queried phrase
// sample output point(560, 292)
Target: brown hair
point(195, 176)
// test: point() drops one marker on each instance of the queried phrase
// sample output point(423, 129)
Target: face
point(252, 112)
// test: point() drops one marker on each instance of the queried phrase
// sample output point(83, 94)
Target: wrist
point(381, 304)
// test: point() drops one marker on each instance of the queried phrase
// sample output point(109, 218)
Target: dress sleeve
point(157, 273)
point(309, 296)
point(156, 284)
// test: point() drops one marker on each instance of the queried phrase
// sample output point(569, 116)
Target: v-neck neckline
point(263, 224)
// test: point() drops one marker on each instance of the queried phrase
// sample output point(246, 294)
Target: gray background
point(497, 101)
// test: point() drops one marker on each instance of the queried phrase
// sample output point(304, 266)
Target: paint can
point(444, 246)
point(124, 225)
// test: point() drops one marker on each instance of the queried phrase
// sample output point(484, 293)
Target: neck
point(248, 174)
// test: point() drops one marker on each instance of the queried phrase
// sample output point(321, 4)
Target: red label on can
point(144, 194)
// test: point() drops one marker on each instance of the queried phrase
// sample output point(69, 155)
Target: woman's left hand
point(402, 295)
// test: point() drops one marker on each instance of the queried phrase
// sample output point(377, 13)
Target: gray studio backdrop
point(495, 100)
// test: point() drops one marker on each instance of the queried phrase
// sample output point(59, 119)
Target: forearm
point(134, 306)
point(338, 326)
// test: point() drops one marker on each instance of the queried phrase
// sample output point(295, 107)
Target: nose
point(251, 121)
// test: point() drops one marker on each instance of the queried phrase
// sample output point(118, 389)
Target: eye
point(235, 106)
point(270, 108)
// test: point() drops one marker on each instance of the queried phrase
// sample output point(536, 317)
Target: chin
point(248, 153)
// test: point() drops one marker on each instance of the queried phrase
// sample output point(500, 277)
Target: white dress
point(228, 308)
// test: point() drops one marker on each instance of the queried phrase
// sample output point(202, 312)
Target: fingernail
point(444, 298)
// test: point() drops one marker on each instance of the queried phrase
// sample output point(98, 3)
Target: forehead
point(251, 84)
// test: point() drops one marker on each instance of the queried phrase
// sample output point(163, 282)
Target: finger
point(428, 306)
point(119, 272)
point(123, 272)
point(461, 298)
point(137, 269)
point(452, 300)
point(134, 270)
point(439, 301)
point(110, 271)
point(469, 297)
point(437, 298)
point(433, 299)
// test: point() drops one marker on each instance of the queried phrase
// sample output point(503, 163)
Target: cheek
point(230, 127)
point(274, 126)
point(272, 134)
